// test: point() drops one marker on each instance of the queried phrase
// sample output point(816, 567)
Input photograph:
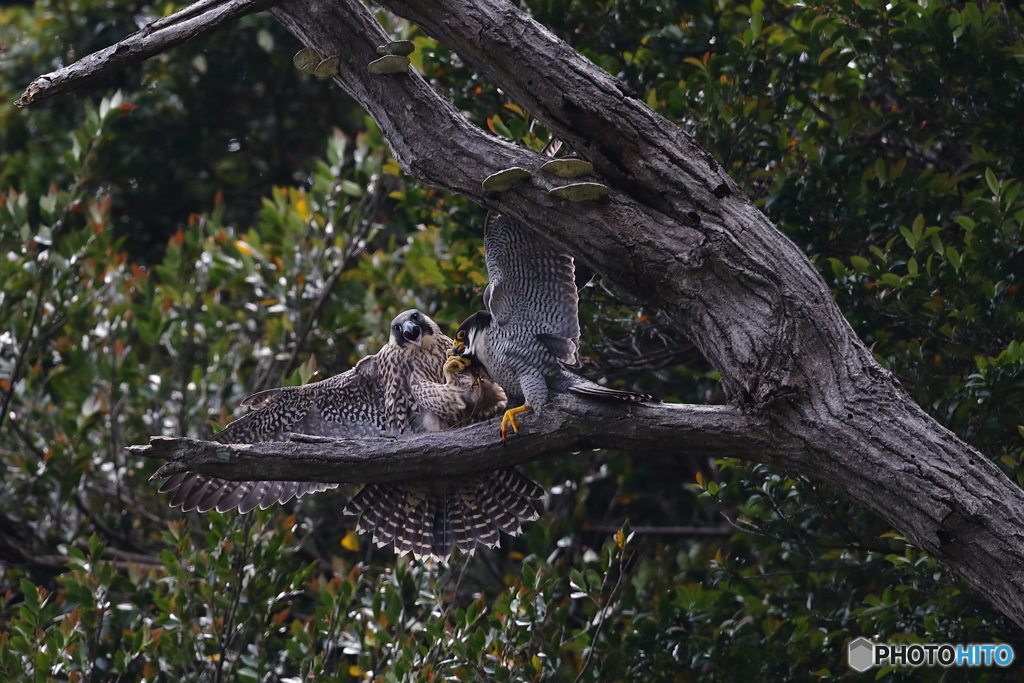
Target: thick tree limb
point(676, 232)
point(193, 21)
point(568, 423)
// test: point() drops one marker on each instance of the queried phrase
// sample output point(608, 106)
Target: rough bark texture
point(567, 423)
point(677, 232)
point(698, 249)
point(194, 21)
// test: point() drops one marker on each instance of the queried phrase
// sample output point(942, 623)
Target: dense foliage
point(147, 290)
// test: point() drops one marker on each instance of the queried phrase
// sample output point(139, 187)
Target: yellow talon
point(509, 418)
point(454, 365)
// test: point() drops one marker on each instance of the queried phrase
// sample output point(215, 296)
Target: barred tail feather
point(587, 388)
point(434, 518)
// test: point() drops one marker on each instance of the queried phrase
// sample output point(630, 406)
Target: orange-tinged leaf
point(244, 247)
point(351, 541)
point(302, 208)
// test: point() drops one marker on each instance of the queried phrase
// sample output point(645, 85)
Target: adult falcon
point(402, 388)
point(529, 336)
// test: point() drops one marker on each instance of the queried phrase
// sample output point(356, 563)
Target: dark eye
point(396, 327)
point(460, 334)
point(416, 316)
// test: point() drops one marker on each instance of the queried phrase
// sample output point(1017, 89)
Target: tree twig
point(187, 24)
point(688, 531)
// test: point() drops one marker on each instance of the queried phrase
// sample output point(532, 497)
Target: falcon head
point(471, 335)
point(413, 327)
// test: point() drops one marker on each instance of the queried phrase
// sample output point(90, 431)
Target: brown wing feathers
point(382, 393)
point(432, 518)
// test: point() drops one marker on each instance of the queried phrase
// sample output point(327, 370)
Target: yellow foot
point(509, 418)
point(454, 365)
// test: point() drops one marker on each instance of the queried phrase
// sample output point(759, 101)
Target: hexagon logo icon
point(860, 654)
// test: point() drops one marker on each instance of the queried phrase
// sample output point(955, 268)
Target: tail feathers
point(588, 388)
point(433, 518)
point(198, 492)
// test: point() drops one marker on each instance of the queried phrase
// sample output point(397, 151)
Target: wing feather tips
point(432, 519)
point(588, 388)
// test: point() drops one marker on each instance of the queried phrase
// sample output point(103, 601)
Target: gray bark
point(677, 232)
point(568, 423)
point(187, 24)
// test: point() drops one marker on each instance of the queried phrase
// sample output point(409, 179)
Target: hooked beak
point(458, 348)
point(412, 332)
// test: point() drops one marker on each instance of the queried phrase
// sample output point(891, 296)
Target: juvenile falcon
point(530, 333)
point(402, 388)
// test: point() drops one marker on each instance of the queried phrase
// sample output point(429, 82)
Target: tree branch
point(187, 24)
point(678, 233)
point(567, 423)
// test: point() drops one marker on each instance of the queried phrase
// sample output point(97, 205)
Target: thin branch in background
point(601, 611)
point(16, 372)
point(689, 531)
point(104, 530)
point(227, 636)
point(192, 22)
point(32, 341)
point(436, 650)
point(356, 245)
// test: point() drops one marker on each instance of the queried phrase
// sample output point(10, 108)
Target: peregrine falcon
point(402, 388)
point(530, 333)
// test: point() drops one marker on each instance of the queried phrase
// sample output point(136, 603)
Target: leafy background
point(167, 237)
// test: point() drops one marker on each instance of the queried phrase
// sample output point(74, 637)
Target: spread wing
point(348, 405)
point(532, 286)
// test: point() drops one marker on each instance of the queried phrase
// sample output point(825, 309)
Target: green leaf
point(860, 263)
point(966, 223)
point(990, 180)
point(756, 17)
point(32, 601)
point(953, 257)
